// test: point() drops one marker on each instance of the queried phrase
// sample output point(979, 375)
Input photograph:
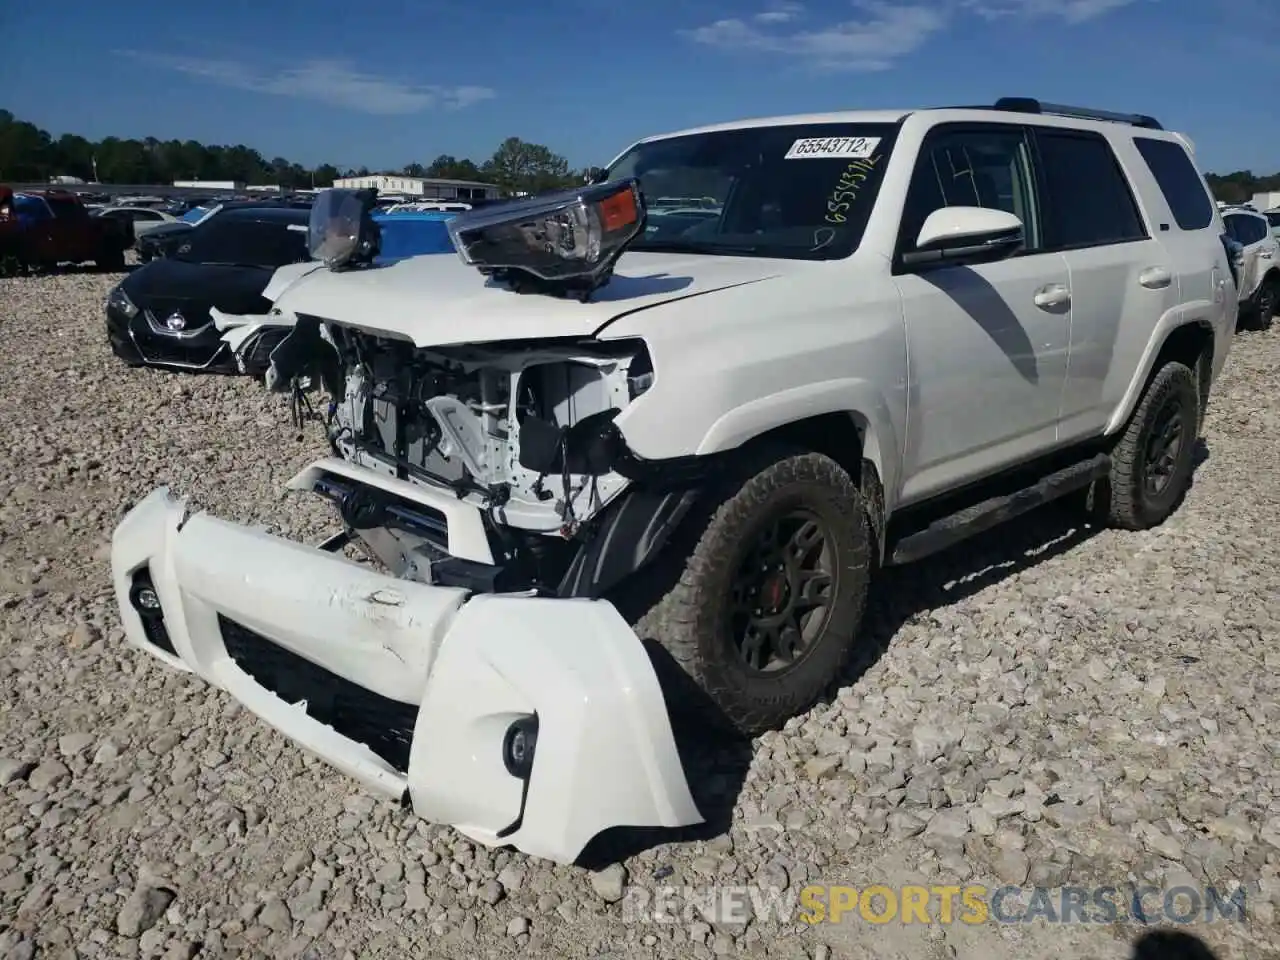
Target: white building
point(428, 187)
point(209, 184)
point(1266, 201)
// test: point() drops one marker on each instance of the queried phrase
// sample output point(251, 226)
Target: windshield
point(798, 192)
point(257, 243)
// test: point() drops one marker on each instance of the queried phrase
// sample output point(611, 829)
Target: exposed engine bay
point(523, 431)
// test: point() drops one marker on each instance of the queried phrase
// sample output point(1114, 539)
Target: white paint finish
point(754, 357)
point(286, 276)
point(435, 301)
point(606, 755)
point(987, 369)
point(1106, 343)
point(467, 538)
point(962, 223)
point(377, 632)
point(1261, 256)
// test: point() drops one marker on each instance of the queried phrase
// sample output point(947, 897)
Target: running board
point(953, 528)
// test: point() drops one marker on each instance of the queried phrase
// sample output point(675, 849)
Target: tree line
point(29, 154)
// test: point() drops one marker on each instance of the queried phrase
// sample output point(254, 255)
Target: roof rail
point(1030, 105)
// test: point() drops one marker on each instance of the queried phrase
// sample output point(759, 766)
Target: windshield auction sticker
point(822, 148)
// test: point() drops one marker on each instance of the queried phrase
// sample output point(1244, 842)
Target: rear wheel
point(1152, 462)
point(766, 612)
point(1268, 303)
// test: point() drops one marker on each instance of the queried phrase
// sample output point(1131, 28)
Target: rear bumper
point(411, 689)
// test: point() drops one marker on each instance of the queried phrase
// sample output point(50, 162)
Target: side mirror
point(953, 236)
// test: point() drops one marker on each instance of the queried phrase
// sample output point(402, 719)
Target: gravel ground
point(1053, 706)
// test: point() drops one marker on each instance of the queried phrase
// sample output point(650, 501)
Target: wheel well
point(1192, 346)
point(841, 437)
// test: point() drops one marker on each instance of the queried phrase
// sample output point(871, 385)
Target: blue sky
point(387, 82)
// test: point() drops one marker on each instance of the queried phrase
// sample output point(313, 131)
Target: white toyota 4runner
point(629, 452)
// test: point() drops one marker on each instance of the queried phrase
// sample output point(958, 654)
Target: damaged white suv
point(630, 452)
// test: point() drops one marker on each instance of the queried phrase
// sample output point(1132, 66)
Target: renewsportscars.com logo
point(916, 904)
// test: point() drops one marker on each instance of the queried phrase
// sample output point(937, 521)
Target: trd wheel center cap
point(776, 591)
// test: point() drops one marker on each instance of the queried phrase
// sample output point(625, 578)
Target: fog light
point(144, 598)
point(518, 746)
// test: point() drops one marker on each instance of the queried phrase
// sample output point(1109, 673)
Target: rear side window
point(1090, 203)
point(1246, 229)
point(1183, 187)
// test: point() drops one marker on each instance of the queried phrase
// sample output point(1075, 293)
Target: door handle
point(1052, 295)
point(1265, 254)
point(1155, 278)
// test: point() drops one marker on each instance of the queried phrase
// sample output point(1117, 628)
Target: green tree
point(451, 168)
point(520, 167)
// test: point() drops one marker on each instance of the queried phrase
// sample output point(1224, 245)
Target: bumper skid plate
point(417, 691)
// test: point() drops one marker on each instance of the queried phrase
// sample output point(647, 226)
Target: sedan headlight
point(561, 243)
point(119, 300)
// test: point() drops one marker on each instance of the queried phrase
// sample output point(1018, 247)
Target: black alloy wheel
point(781, 592)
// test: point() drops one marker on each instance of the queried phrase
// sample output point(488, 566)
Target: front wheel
point(767, 609)
point(1152, 462)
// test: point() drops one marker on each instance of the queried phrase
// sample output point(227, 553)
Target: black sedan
point(161, 241)
point(159, 315)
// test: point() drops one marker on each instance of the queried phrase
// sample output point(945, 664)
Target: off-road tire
point(1267, 305)
point(689, 622)
point(1123, 500)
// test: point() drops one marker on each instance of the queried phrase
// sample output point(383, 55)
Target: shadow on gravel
point(1171, 945)
point(716, 763)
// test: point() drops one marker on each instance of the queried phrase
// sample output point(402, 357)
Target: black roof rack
point(1030, 105)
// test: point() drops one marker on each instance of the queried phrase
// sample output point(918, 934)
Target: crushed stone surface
point(1046, 705)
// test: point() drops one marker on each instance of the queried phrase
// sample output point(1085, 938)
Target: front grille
point(383, 725)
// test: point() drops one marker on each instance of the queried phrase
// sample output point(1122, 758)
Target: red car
point(47, 227)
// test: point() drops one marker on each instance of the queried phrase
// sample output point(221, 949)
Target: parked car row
point(1258, 262)
point(41, 229)
point(197, 303)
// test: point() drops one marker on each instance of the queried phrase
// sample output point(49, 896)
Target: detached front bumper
point(414, 690)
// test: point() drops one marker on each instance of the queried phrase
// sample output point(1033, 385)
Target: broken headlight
point(562, 243)
point(342, 232)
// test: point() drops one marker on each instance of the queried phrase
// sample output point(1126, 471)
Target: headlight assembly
point(119, 300)
point(561, 243)
point(342, 233)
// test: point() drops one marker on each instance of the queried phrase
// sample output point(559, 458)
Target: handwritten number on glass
point(846, 189)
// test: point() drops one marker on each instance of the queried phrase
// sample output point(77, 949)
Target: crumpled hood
point(439, 300)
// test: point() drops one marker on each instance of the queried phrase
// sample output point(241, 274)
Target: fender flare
point(1199, 313)
point(856, 397)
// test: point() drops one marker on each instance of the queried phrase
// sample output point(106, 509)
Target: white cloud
point(883, 33)
point(334, 82)
point(1072, 11)
point(779, 13)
